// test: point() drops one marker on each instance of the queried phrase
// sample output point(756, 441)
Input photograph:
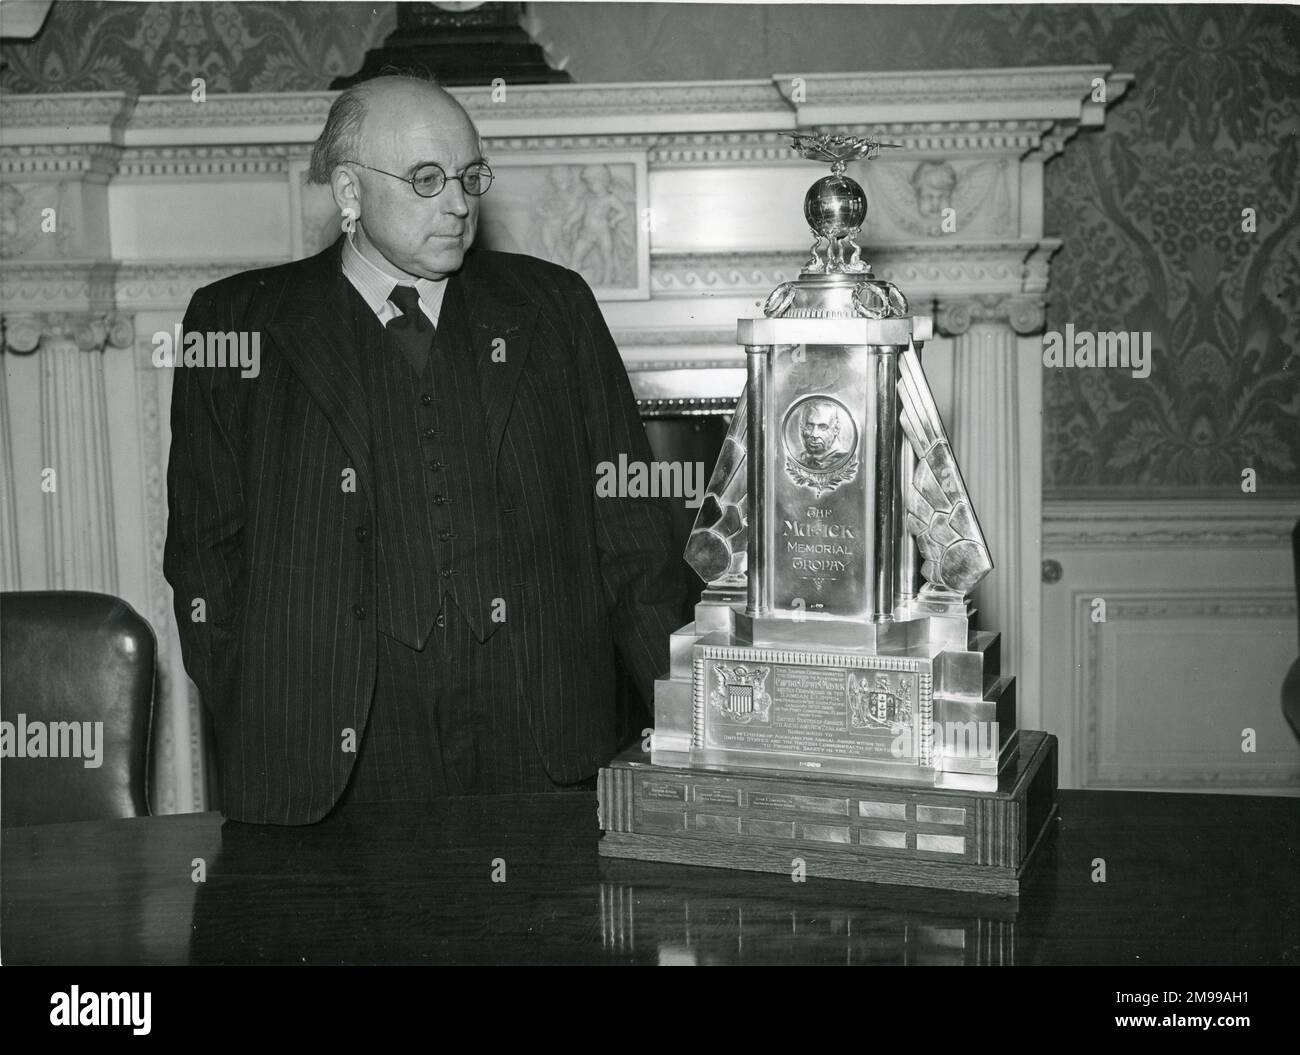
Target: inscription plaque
point(813, 710)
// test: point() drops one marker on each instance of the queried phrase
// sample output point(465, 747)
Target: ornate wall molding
point(729, 149)
point(104, 290)
point(78, 330)
point(694, 150)
point(655, 105)
point(1044, 91)
point(281, 110)
point(1247, 520)
point(577, 144)
point(1220, 608)
point(994, 274)
point(686, 406)
point(985, 109)
point(658, 364)
point(146, 285)
point(209, 161)
point(67, 117)
point(956, 137)
point(34, 285)
point(1023, 313)
point(56, 161)
point(923, 137)
point(736, 273)
point(515, 110)
point(61, 304)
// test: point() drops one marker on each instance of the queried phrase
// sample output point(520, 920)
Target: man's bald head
point(343, 137)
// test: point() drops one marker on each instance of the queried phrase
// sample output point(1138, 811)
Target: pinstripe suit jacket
point(264, 529)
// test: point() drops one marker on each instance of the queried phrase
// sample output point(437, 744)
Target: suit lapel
point(315, 331)
point(499, 327)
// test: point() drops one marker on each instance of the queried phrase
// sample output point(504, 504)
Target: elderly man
point(393, 579)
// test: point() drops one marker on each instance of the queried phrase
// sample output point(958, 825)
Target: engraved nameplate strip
point(825, 833)
point(947, 844)
point(874, 837)
point(894, 811)
point(664, 791)
point(806, 803)
point(940, 815)
point(770, 829)
point(713, 822)
point(666, 821)
point(716, 796)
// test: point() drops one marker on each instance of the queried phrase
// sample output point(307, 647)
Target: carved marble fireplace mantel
point(679, 203)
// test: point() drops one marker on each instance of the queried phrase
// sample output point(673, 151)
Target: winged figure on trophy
point(718, 545)
point(939, 512)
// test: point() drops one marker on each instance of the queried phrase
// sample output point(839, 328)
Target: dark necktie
point(411, 331)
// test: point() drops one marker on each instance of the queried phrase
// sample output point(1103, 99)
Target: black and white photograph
point(676, 483)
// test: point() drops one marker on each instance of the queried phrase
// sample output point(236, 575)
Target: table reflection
point(680, 915)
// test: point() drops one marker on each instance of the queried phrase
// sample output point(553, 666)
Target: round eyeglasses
point(429, 180)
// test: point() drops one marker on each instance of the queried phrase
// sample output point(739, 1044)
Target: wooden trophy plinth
point(834, 828)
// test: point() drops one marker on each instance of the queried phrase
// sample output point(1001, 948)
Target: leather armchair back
point(76, 692)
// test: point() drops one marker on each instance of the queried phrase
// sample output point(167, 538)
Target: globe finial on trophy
point(836, 207)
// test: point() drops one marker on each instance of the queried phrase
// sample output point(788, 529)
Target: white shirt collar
point(375, 286)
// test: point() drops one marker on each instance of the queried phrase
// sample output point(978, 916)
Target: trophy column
point(759, 588)
point(886, 502)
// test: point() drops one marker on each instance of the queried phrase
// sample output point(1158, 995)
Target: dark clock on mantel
point(460, 44)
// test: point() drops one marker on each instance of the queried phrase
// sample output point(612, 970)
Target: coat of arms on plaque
point(821, 443)
point(741, 693)
point(878, 704)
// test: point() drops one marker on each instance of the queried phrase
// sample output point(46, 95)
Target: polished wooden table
point(1189, 879)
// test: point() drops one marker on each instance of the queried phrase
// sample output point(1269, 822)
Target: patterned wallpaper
point(88, 46)
point(1150, 209)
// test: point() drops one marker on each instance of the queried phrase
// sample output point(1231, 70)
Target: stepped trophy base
point(836, 827)
point(884, 753)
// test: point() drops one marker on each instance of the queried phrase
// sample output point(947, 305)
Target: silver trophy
point(833, 707)
point(839, 543)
